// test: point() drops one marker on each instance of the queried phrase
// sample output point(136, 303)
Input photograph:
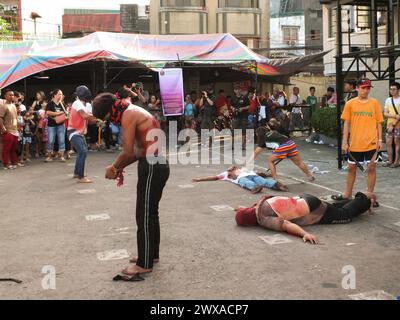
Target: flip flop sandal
point(134, 278)
point(338, 197)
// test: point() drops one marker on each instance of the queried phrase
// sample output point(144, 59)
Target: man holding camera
point(140, 97)
point(208, 109)
point(241, 106)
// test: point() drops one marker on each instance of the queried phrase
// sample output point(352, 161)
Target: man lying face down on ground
point(247, 179)
point(288, 214)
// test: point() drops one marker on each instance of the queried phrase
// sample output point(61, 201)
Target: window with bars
point(238, 4)
point(290, 35)
point(315, 35)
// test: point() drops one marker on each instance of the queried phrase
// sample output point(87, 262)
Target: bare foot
point(85, 180)
point(310, 178)
point(134, 269)
point(281, 187)
point(135, 259)
point(256, 190)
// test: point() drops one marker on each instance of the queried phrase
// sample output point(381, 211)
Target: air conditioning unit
point(291, 42)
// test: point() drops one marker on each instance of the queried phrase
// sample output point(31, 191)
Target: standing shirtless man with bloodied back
point(153, 173)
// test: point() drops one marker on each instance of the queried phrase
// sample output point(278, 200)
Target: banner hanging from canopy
point(171, 91)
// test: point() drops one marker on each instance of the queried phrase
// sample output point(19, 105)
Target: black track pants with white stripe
point(151, 182)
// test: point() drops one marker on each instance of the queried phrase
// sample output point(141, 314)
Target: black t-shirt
point(37, 105)
point(240, 102)
point(51, 106)
point(209, 111)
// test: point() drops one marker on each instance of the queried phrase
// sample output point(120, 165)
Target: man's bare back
point(137, 123)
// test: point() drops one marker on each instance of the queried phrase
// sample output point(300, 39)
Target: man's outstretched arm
point(298, 231)
point(212, 178)
point(279, 224)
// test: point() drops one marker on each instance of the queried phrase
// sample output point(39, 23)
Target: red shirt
point(221, 101)
point(253, 105)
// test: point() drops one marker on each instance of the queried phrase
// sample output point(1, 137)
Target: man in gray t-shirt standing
point(142, 96)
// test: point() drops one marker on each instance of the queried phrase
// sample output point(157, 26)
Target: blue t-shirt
point(189, 110)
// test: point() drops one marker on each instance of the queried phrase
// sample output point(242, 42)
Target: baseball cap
point(83, 93)
point(364, 83)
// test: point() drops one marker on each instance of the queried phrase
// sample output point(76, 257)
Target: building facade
point(296, 27)
point(365, 27)
point(248, 20)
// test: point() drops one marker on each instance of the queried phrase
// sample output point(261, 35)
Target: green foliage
point(324, 121)
point(5, 29)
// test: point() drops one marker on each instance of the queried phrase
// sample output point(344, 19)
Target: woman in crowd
point(56, 115)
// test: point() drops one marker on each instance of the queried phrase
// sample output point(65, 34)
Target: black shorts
point(363, 157)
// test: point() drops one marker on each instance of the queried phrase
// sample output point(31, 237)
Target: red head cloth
point(246, 217)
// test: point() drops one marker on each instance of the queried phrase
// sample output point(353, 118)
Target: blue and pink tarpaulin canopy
point(19, 60)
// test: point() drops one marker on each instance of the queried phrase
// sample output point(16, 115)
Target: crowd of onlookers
point(38, 129)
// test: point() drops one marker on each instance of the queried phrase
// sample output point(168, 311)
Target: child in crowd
point(29, 131)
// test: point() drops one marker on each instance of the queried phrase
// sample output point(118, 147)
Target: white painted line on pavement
point(121, 229)
point(98, 217)
point(113, 255)
point(372, 295)
point(275, 239)
point(115, 234)
point(86, 191)
point(186, 186)
point(221, 208)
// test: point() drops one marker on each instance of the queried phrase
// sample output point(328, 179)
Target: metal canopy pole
point(104, 75)
point(339, 79)
point(374, 24)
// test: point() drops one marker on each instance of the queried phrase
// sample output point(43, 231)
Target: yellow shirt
point(363, 118)
point(389, 109)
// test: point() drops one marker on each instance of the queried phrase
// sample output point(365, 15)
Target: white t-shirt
point(89, 108)
point(76, 122)
point(243, 172)
point(280, 100)
point(297, 101)
point(22, 108)
point(388, 103)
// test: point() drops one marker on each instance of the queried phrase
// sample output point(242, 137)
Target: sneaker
point(5, 168)
point(62, 159)
point(48, 159)
point(12, 167)
point(20, 164)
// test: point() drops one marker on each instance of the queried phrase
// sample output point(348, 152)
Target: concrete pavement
point(204, 255)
